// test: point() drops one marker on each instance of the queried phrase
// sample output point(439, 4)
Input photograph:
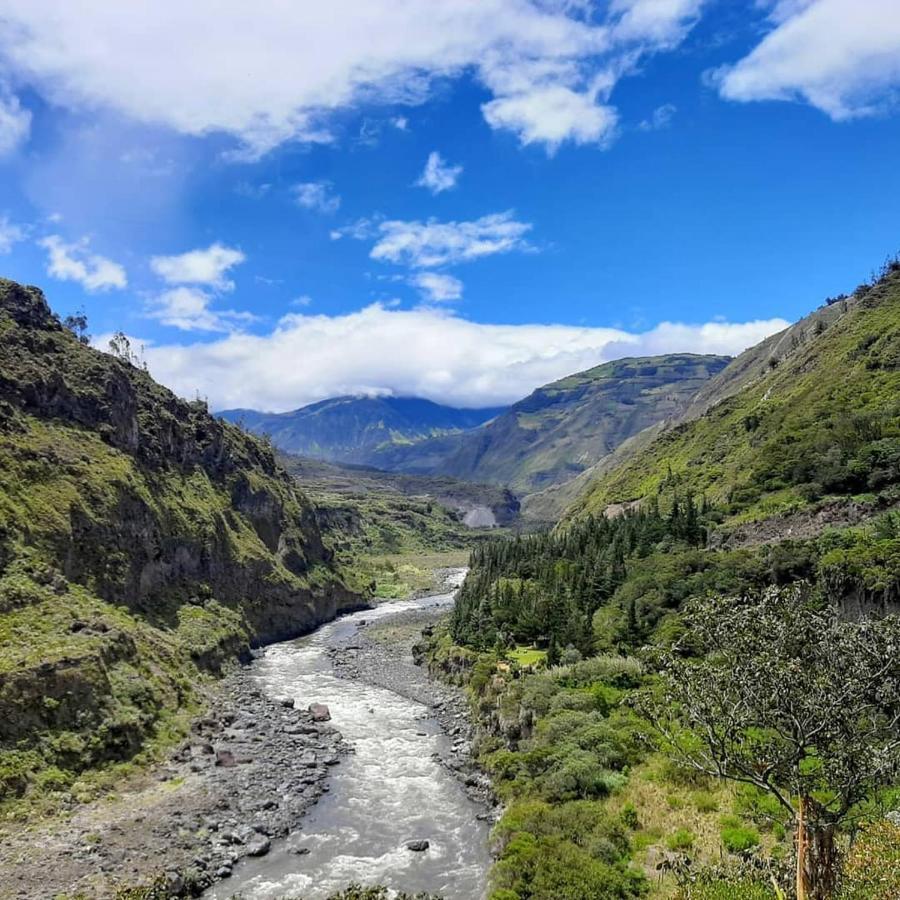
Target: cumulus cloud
point(428, 244)
point(539, 59)
point(437, 287)
point(207, 266)
point(15, 122)
point(842, 56)
point(421, 352)
point(553, 114)
point(10, 234)
point(188, 309)
point(75, 262)
point(316, 195)
point(438, 175)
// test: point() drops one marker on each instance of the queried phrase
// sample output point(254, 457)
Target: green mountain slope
point(142, 543)
point(563, 428)
point(350, 429)
point(819, 419)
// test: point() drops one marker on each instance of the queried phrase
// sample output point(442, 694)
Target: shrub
point(683, 839)
point(739, 838)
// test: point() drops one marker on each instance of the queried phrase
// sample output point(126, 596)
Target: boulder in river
point(259, 848)
point(417, 846)
point(319, 712)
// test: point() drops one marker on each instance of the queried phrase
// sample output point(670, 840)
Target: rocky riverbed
point(250, 769)
point(245, 778)
point(381, 653)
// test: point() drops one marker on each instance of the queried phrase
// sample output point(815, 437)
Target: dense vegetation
point(790, 479)
point(142, 543)
point(824, 421)
point(565, 427)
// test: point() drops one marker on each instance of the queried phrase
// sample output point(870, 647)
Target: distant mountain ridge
point(563, 428)
point(350, 429)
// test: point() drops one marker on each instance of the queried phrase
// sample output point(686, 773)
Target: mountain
point(780, 480)
point(563, 428)
point(810, 416)
point(143, 542)
point(350, 429)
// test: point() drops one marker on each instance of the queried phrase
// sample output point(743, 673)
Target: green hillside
point(779, 488)
point(142, 543)
point(820, 422)
point(562, 429)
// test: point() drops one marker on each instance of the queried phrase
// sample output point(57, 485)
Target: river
point(390, 790)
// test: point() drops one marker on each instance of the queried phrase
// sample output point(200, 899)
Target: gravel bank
point(245, 776)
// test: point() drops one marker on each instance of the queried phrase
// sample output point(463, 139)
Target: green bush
point(739, 838)
point(683, 839)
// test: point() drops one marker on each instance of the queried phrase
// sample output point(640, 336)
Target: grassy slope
point(562, 429)
point(142, 544)
point(764, 450)
point(392, 531)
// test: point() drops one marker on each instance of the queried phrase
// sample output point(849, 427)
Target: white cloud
point(75, 262)
point(438, 175)
point(202, 266)
point(316, 195)
point(660, 118)
point(401, 123)
point(15, 122)
point(188, 309)
point(10, 234)
point(425, 245)
point(553, 114)
point(663, 22)
point(437, 287)
point(538, 58)
point(422, 352)
point(842, 56)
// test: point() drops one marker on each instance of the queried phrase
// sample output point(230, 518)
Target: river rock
point(259, 848)
point(225, 759)
point(417, 846)
point(319, 712)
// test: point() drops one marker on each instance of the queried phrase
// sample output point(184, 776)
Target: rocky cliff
point(143, 542)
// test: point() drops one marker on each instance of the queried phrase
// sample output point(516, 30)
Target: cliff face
point(142, 541)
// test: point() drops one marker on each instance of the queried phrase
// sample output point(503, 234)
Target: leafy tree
point(779, 692)
point(77, 323)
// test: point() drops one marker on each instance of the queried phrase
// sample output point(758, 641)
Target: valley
point(178, 597)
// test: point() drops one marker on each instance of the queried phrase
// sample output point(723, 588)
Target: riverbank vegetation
point(652, 758)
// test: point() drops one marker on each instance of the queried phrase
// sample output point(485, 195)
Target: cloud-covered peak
point(424, 352)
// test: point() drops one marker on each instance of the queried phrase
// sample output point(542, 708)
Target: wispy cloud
point(10, 234)
point(437, 287)
point(438, 175)
point(317, 195)
point(75, 262)
point(430, 244)
point(15, 121)
point(189, 309)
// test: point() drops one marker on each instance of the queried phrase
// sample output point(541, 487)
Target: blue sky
point(450, 198)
